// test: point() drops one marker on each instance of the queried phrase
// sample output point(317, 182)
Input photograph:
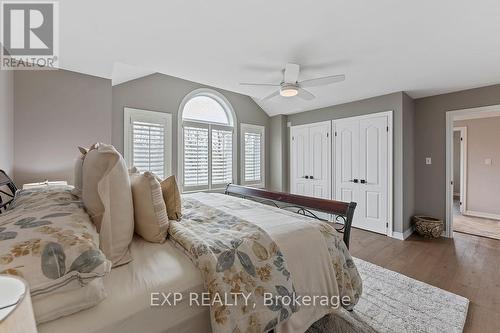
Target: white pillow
point(107, 196)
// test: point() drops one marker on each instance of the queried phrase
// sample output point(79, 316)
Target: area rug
point(392, 302)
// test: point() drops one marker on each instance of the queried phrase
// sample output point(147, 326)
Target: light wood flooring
point(465, 265)
point(475, 225)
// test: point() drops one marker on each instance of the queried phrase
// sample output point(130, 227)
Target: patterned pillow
point(47, 238)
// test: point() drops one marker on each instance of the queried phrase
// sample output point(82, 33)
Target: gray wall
point(408, 154)
point(278, 148)
point(159, 92)
point(430, 141)
point(56, 111)
point(483, 181)
point(396, 103)
point(7, 121)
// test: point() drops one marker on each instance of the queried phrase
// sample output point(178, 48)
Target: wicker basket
point(429, 227)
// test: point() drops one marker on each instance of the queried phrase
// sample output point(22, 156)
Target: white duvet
point(162, 267)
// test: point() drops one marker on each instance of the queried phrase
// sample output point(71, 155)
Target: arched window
point(207, 140)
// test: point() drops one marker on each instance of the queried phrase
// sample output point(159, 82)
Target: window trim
point(250, 128)
point(153, 116)
point(231, 115)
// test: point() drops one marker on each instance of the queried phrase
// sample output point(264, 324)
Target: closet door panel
point(320, 160)
point(346, 160)
point(374, 173)
point(299, 160)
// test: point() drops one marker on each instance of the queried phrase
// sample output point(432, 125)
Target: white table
point(43, 184)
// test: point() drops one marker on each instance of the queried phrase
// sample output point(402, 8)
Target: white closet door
point(320, 160)
point(373, 173)
point(299, 160)
point(347, 161)
point(361, 169)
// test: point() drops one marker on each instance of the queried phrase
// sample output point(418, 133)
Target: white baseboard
point(481, 214)
point(402, 235)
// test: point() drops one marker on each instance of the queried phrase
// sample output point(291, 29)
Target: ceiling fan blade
point(321, 81)
point(259, 84)
point(291, 73)
point(304, 94)
point(276, 93)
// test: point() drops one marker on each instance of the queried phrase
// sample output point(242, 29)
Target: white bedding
point(303, 247)
point(154, 268)
point(162, 267)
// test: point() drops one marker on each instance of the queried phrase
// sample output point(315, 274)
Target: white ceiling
point(423, 47)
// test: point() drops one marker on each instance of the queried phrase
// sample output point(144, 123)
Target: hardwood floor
point(474, 225)
point(465, 265)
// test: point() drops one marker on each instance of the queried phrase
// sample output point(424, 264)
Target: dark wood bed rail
point(343, 212)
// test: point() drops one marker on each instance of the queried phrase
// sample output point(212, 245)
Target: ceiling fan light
point(289, 91)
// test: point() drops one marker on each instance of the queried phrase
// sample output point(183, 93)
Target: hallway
point(474, 225)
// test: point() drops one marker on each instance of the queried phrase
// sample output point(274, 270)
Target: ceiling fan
point(290, 86)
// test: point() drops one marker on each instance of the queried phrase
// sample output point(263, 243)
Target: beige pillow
point(172, 198)
point(150, 212)
point(77, 190)
point(107, 196)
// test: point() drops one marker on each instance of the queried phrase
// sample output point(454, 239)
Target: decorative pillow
point(107, 197)
point(150, 212)
point(56, 305)
point(47, 238)
point(172, 198)
point(77, 190)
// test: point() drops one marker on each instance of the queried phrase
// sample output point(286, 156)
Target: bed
point(165, 268)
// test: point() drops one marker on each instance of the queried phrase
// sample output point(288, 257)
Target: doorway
point(473, 172)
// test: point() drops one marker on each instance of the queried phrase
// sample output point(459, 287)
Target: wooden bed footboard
point(342, 212)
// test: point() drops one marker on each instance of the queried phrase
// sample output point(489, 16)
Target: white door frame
point(451, 116)
point(463, 166)
point(390, 165)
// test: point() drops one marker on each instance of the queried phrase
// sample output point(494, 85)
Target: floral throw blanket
point(240, 265)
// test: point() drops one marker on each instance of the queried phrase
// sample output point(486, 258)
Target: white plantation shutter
point(206, 141)
point(222, 156)
point(252, 154)
point(148, 151)
point(195, 156)
point(147, 136)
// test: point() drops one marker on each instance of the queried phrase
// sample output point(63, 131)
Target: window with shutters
point(207, 141)
point(252, 155)
point(147, 141)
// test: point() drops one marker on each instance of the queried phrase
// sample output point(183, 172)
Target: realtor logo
point(29, 35)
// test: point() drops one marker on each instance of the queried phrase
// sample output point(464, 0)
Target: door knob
point(306, 177)
point(311, 177)
point(355, 180)
point(363, 181)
